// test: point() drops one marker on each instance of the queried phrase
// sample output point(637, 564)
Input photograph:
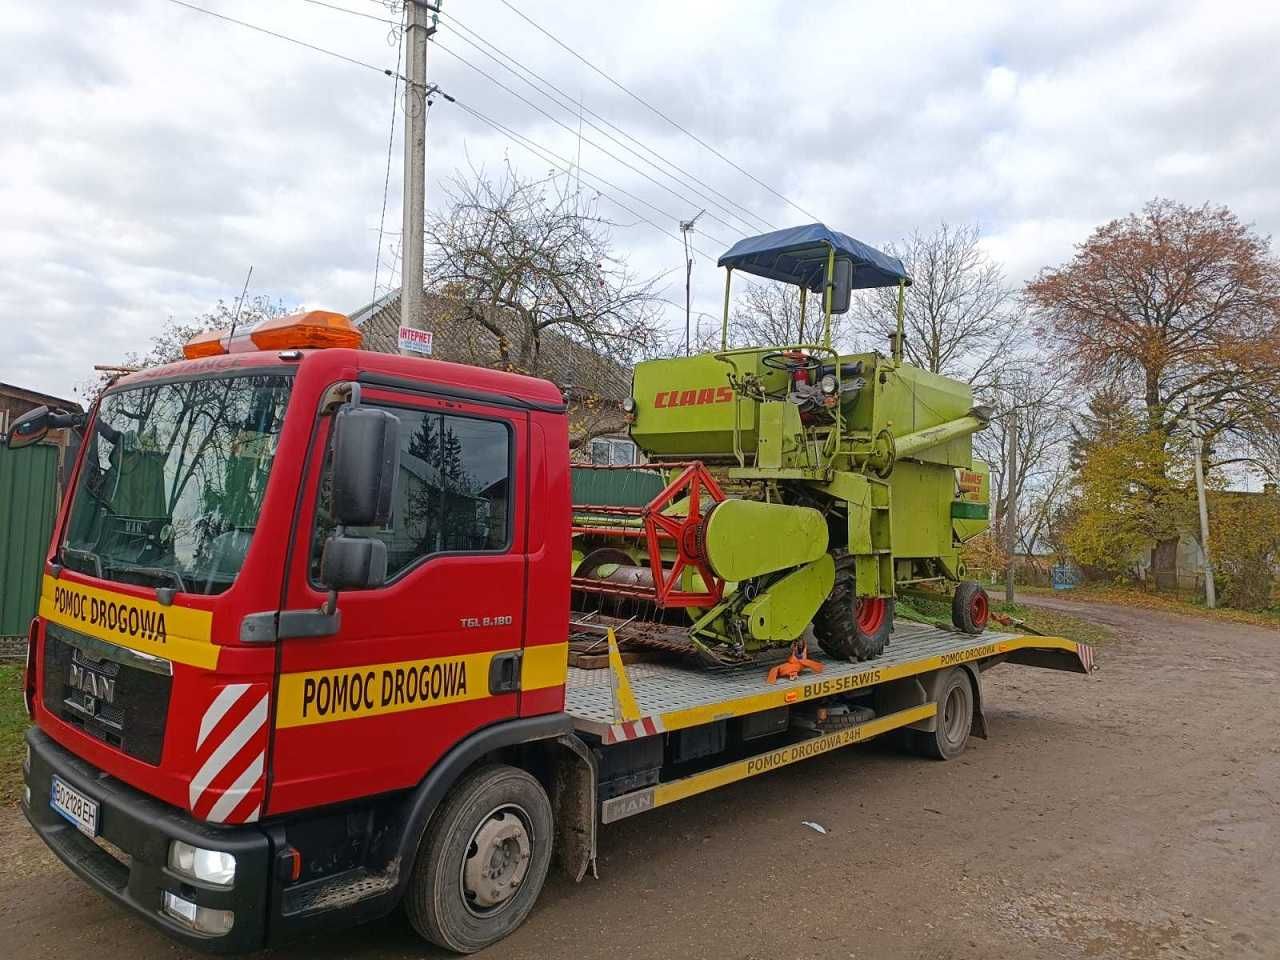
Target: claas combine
point(786, 486)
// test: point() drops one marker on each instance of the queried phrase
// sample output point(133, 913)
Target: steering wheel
point(789, 361)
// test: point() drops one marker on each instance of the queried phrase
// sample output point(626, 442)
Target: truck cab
point(237, 732)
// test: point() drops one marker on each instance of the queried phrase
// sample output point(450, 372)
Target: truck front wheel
point(483, 860)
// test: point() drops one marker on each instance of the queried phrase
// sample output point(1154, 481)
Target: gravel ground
point(1131, 814)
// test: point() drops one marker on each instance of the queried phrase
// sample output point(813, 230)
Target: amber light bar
point(307, 328)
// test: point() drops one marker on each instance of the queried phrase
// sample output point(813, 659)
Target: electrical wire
point(549, 156)
point(641, 100)
point(613, 156)
point(354, 13)
point(289, 39)
point(566, 102)
point(386, 183)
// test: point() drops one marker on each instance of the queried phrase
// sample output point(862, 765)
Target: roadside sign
point(416, 341)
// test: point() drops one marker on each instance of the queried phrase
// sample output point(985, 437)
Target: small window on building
point(612, 450)
point(452, 495)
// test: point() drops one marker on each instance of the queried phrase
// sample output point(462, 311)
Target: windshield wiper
point(97, 560)
point(153, 571)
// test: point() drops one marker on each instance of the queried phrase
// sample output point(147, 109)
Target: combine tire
point(970, 608)
point(849, 628)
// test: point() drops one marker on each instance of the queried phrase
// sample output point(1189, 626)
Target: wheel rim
point(979, 609)
point(497, 860)
point(868, 614)
point(955, 715)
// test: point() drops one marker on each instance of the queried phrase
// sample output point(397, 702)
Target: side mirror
point(366, 466)
point(32, 427)
point(353, 563)
point(842, 290)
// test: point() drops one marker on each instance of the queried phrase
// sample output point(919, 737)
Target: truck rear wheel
point(849, 627)
point(954, 721)
point(483, 860)
point(970, 607)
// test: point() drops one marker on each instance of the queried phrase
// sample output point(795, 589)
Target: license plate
point(75, 806)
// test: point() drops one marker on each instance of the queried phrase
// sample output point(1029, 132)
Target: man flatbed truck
point(301, 654)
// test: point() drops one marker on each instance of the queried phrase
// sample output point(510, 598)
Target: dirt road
point(1133, 814)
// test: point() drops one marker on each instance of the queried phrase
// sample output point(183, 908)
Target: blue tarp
point(799, 255)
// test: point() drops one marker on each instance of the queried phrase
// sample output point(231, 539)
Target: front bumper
point(135, 873)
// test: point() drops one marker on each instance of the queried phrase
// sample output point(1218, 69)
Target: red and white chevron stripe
point(634, 729)
point(1085, 653)
point(231, 753)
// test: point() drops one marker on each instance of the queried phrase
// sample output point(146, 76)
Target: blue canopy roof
point(799, 255)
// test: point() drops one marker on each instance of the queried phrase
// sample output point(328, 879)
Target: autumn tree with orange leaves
point(1178, 308)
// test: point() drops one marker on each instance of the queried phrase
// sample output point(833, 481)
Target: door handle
point(504, 672)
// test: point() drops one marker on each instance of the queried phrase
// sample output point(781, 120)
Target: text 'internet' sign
point(416, 341)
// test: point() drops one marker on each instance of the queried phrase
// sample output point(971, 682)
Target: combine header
point(852, 475)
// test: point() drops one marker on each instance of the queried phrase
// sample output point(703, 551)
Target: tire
point(453, 900)
point(849, 628)
point(955, 719)
point(970, 607)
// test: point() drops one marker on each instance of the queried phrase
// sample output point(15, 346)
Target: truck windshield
point(172, 481)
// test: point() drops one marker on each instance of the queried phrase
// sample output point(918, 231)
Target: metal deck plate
point(671, 697)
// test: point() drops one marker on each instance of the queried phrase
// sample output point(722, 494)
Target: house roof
point(36, 398)
point(572, 366)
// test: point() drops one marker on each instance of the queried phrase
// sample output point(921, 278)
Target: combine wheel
point(848, 627)
point(970, 607)
point(482, 861)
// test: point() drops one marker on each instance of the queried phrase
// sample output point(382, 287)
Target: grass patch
point(1052, 623)
point(13, 721)
point(1134, 597)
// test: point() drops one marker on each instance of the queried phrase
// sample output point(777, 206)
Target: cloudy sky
point(149, 154)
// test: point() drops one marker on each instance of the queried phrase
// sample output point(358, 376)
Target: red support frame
point(659, 529)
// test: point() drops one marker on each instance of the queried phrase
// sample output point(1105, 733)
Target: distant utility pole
point(1011, 501)
point(1197, 431)
point(420, 23)
point(685, 227)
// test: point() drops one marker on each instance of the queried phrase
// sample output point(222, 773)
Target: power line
point(289, 39)
point(549, 156)
point(354, 13)
point(386, 183)
point(613, 156)
point(641, 100)
point(568, 103)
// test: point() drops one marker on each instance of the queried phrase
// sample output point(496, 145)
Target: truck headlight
point(207, 866)
point(201, 919)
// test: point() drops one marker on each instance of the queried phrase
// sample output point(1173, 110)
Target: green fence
point(28, 503)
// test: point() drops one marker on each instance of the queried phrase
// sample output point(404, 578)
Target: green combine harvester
point(787, 485)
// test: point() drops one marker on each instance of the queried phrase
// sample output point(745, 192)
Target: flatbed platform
point(672, 697)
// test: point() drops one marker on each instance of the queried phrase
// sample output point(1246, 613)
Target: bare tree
point(767, 314)
point(1042, 399)
point(519, 261)
point(960, 317)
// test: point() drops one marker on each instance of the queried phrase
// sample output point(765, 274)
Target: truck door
point(419, 663)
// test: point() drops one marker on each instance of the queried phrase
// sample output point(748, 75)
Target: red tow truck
point(302, 653)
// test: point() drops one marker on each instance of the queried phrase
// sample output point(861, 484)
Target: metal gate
point(28, 503)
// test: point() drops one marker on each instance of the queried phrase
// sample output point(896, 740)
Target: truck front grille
point(112, 693)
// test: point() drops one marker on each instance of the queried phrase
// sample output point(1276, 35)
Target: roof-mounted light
point(308, 328)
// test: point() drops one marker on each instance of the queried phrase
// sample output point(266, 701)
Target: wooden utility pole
point(1011, 502)
point(685, 227)
point(419, 25)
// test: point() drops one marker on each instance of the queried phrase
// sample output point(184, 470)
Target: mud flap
point(573, 803)
point(913, 691)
